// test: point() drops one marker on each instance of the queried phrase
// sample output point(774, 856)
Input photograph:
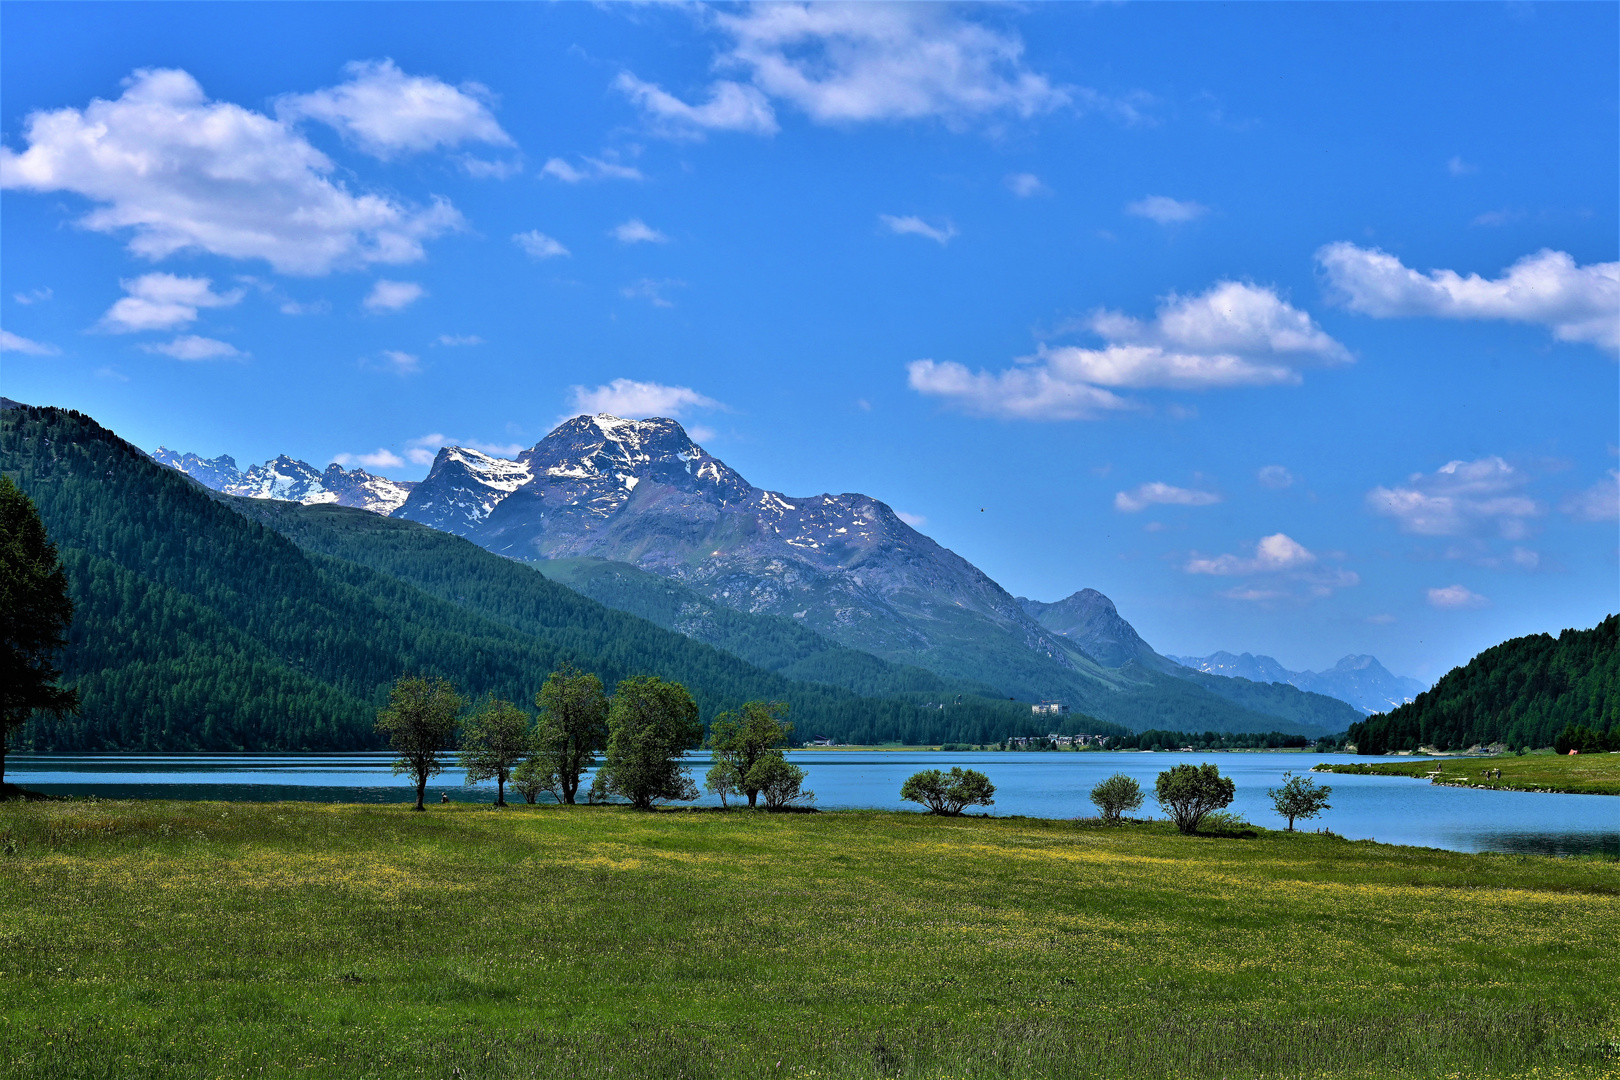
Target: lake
point(1392, 809)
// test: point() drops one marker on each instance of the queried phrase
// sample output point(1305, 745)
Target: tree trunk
point(500, 791)
point(1290, 822)
point(3, 735)
point(752, 796)
point(569, 790)
point(421, 789)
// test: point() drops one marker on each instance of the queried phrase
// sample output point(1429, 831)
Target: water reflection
point(1053, 785)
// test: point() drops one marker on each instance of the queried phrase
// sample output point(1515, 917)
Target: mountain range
point(624, 510)
point(291, 480)
point(1360, 680)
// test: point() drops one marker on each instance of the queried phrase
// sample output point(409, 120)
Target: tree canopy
point(949, 793)
point(650, 723)
point(739, 740)
point(494, 740)
point(572, 728)
point(1188, 792)
point(419, 721)
point(35, 612)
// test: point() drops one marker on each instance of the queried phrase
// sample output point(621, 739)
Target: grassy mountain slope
point(1522, 692)
point(199, 628)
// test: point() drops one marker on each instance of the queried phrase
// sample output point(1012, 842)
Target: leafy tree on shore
point(650, 722)
point(1115, 795)
point(780, 781)
point(494, 740)
point(1188, 792)
point(419, 722)
point(1299, 797)
point(740, 740)
point(573, 727)
point(530, 778)
point(949, 793)
point(721, 780)
point(34, 615)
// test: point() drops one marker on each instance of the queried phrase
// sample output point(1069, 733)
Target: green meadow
point(1581, 774)
point(142, 939)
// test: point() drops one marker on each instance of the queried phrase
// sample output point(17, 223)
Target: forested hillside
point(1523, 692)
point(199, 628)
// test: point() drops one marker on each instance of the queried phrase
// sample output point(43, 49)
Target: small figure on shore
point(444, 796)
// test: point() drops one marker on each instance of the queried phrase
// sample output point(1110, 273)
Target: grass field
point(283, 939)
point(1583, 774)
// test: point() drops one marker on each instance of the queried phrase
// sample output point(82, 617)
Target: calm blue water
point(1391, 809)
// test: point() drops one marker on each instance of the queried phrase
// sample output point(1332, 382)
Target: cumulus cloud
point(636, 231)
point(33, 296)
point(386, 112)
point(396, 362)
point(1025, 185)
point(539, 245)
point(1165, 210)
point(184, 173)
point(162, 302)
point(193, 347)
point(1461, 498)
point(916, 521)
point(854, 63)
point(1161, 494)
point(1273, 553)
point(637, 400)
point(1275, 477)
point(388, 295)
point(654, 292)
point(1452, 597)
point(1285, 568)
point(10, 342)
point(1600, 502)
point(1235, 334)
point(915, 226)
point(458, 340)
point(381, 458)
point(1578, 303)
point(592, 169)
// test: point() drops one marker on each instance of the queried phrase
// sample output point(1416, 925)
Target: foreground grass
point(233, 939)
point(1583, 774)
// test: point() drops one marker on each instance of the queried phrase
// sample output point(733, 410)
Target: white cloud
point(1026, 184)
point(851, 63)
point(187, 174)
point(1458, 167)
point(538, 244)
point(916, 521)
point(193, 347)
point(381, 458)
point(162, 302)
point(1275, 477)
point(1461, 498)
point(636, 231)
point(593, 169)
point(1234, 334)
point(1600, 502)
point(1579, 303)
point(916, 226)
point(1281, 560)
point(1165, 210)
point(385, 112)
point(10, 342)
point(458, 340)
point(401, 363)
point(652, 291)
point(1455, 596)
point(731, 107)
point(33, 296)
point(1161, 494)
point(637, 400)
point(422, 450)
point(388, 295)
point(481, 169)
point(313, 307)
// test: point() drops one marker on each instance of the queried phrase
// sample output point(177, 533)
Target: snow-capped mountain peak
point(292, 480)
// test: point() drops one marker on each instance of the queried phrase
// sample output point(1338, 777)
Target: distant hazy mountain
point(1090, 620)
point(291, 480)
point(1360, 680)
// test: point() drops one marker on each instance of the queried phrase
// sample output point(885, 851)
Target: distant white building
point(1050, 708)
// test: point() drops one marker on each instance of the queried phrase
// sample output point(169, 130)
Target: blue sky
point(1292, 328)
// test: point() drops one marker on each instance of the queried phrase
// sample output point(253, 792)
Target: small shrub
point(1115, 795)
point(780, 782)
point(949, 793)
point(1188, 792)
point(1224, 821)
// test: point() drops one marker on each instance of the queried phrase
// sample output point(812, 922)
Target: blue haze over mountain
point(1360, 680)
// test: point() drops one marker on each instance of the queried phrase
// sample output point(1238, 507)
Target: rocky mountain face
point(1090, 620)
point(291, 480)
point(1360, 680)
point(642, 492)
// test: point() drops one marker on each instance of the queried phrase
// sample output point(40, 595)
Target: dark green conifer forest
point(1523, 692)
